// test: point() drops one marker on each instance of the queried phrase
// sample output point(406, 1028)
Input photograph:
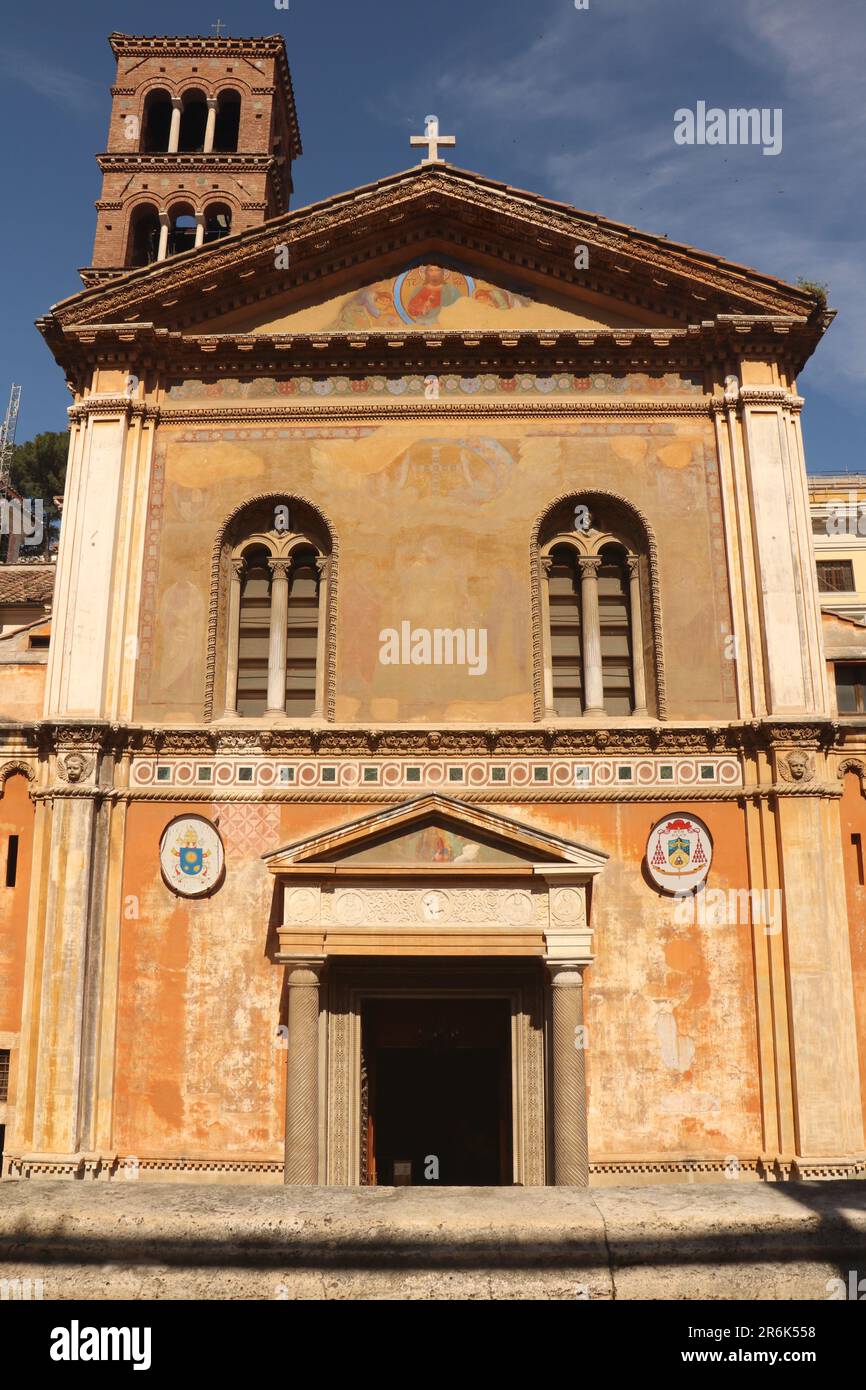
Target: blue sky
point(576, 105)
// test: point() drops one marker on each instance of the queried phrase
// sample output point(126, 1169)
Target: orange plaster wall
point(853, 814)
point(198, 1068)
point(672, 1061)
point(199, 1071)
point(16, 818)
point(23, 691)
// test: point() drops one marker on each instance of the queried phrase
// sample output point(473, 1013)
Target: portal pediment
point(436, 877)
point(435, 834)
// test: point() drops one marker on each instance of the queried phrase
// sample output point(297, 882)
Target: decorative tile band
point(448, 384)
point(439, 773)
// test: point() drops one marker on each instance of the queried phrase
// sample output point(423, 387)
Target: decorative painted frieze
point(441, 774)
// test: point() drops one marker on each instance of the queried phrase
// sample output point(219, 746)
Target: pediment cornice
point(325, 848)
point(694, 347)
point(408, 213)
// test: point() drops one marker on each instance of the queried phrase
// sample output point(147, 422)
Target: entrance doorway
point(436, 1093)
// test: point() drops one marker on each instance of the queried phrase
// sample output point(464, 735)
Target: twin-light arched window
point(277, 570)
point(594, 586)
point(270, 654)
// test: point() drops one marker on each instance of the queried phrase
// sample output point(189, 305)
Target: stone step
point(678, 1241)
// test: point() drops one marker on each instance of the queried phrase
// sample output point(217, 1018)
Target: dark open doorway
point(437, 1091)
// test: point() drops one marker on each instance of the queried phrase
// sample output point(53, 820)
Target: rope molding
point(662, 795)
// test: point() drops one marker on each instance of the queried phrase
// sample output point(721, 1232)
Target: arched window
point(228, 122)
point(217, 221)
point(595, 609)
point(615, 623)
point(563, 588)
point(193, 122)
point(274, 582)
point(253, 630)
point(143, 241)
point(156, 125)
point(181, 235)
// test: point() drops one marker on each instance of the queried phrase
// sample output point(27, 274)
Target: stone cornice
point(387, 410)
point(696, 347)
point(137, 161)
point(331, 740)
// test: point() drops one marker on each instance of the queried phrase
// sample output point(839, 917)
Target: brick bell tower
point(202, 136)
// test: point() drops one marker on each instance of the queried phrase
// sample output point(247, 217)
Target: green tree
point(38, 470)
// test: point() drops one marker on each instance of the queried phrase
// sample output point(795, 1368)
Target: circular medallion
point(349, 908)
point(566, 906)
point(301, 905)
point(679, 853)
point(518, 909)
point(434, 906)
point(191, 856)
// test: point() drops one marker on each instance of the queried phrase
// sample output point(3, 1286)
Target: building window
point(615, 624)
point(254, 633)
point(143, 245)
point(275, 604)
point(851, 687)
point(156, 126)
point(835, 577)
point(228, 121)
point(12, 861)
point(193, 122)
point(217, 221)
point(594, 596)
point(182, 232)
point(4, 1076)
point(563, 590)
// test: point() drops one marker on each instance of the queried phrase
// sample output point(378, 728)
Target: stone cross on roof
point(432, 139)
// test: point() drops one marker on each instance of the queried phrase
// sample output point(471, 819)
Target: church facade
point(437, 777)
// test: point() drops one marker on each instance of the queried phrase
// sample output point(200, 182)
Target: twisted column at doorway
point(570, 1144)
point(302, 1073)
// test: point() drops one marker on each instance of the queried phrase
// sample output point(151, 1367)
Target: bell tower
point(201, 140)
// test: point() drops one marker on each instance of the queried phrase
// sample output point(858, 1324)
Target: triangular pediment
point(435, 833)
point(359, 265)
point(436, 292)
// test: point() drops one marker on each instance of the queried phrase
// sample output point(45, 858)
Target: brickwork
point(254, 181)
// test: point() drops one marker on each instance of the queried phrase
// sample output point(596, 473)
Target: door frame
point(350, 985)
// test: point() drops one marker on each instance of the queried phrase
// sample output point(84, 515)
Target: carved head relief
point(799, 766)
point(75, 767)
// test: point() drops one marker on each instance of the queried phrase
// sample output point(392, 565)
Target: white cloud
point(56, 84)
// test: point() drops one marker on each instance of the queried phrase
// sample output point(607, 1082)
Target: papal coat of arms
point(679, 853)
point(191, 856)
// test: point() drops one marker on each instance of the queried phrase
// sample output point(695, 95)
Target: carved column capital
point(280, 567)
point(565, 974)
point(589, 565)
